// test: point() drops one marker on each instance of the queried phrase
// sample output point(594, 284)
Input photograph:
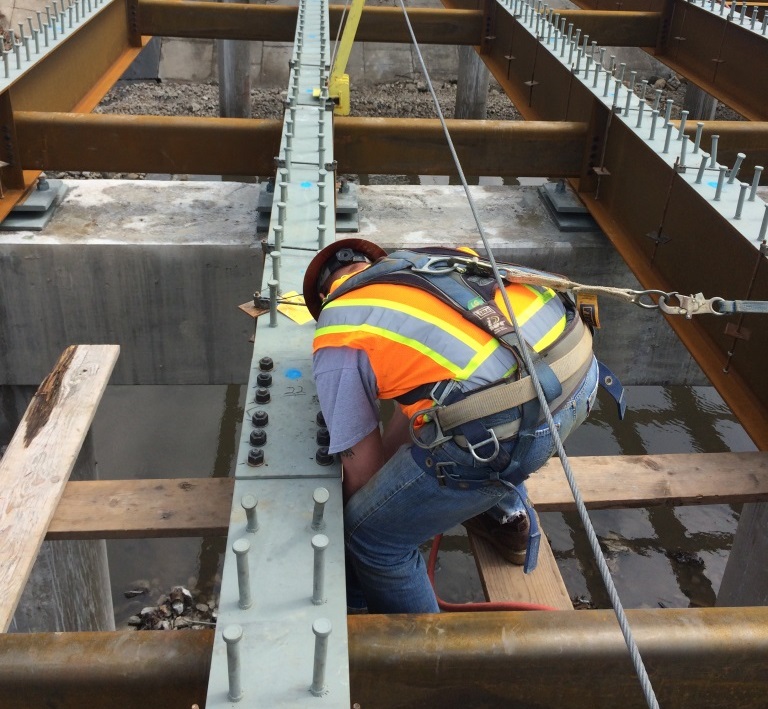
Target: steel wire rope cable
point(640, 670)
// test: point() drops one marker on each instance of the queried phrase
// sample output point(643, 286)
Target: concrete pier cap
point(159, 267)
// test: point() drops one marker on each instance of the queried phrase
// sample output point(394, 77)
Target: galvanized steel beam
point(712, 658)
point(214, 146)
point(171, 18)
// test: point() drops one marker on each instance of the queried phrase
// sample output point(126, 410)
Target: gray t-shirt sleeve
point(347, 389)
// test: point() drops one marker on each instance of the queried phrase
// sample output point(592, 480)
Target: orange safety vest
point(413, 338)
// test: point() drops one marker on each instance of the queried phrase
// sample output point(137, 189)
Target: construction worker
point(465, 432)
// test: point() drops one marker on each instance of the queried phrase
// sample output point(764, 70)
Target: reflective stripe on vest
point(388, 323)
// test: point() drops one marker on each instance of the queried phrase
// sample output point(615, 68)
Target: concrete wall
point(156, 267)
point(160, 267)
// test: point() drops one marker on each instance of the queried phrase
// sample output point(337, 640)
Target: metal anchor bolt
point(281, 206)
point(322, 206)
point(273, 303)
point(241, 548)
point(736, 166)
point(275, 256)
point(622, 69)
point(654, 118)
point(702, 167)
point(755, 182)
point(321, 235)
point(683, 149)
point(720, 183)
point(249, 503)
point(283, 191)
point(607, 83)
point(668, 112)
point(640, 109)
point(681, 130)
point(232, 635)
point(656, 99)
point(668, 138)
point(319, 544)
point(322, 629)
point(278, 232)
point(320, 496)
point(697, 139)
point(764, 225)
point(713, 148)
point(743, 187)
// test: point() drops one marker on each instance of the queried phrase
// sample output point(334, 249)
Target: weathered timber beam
point(274, 23)
point(211, 146)
point(118, 509)
point(40, 458)
point(712, 657)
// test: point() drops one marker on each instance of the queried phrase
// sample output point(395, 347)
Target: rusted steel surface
point(617, 29)
point(712, 658)
point(126, 670)
point(641, 195)
point(726, 59)
point(210, 146)
point(116, 143)
point(695, 657)
point(172, 18)
point(713, 52)
point(75, 76)
point(418, 146)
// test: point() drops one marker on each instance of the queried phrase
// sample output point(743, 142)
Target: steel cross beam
point(711, 657)
point(215, 146)
point(675, 218)
point(171, 18)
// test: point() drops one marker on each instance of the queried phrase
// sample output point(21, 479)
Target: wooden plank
point(118, 509)
point(646, 480)
point(127, 509)
point(503, 581)
point(40, 458)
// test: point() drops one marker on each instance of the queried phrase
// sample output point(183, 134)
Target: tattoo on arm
point(348, 453)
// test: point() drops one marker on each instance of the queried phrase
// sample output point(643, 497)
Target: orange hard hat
point(331, 258)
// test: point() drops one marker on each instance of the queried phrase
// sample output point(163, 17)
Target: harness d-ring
point(440, 437)
point(491, 439)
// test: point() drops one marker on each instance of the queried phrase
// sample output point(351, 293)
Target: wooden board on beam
point(120, 509)
point(40, 458)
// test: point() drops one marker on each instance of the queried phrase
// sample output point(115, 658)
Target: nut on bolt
point(262, 395)
point(260, 418)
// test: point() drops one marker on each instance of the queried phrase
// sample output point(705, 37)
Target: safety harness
point(467, 286)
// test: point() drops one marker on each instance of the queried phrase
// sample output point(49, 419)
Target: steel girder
point(671, 237)
point(711, 47)
point(172, 18)
point(696, 657)
point(214, 146)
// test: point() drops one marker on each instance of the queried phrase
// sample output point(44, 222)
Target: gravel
point(398, 99)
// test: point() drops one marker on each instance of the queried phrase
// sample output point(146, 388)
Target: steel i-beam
point(282, 634)
point(675, 218)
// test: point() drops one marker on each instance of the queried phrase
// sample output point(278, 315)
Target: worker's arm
point(361, 462)
point(396, 432)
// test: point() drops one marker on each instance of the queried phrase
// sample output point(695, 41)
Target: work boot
point(510, 539)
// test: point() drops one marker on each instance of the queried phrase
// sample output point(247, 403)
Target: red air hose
point(485, 606)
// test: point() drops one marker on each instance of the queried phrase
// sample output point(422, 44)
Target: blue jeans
point(402, 507)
